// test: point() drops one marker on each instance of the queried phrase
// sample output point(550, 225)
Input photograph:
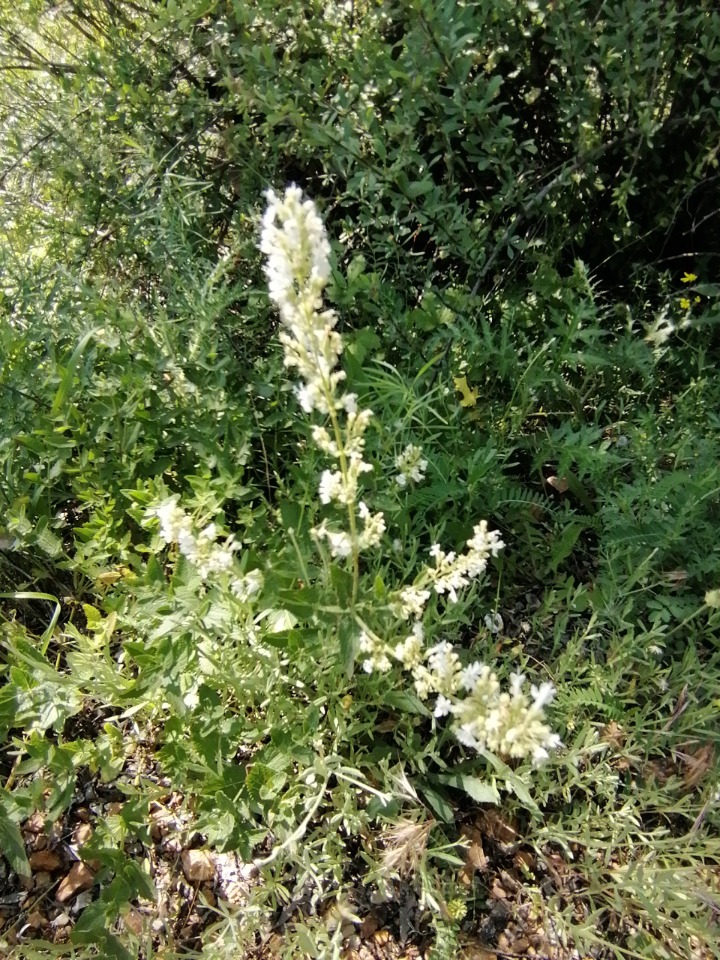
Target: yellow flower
point(684, 303)
point(688, 277)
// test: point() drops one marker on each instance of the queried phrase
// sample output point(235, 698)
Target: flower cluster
point(411, 466)
point(483, 716)
point(298, 268)
point(202, 550)
point(450, 572)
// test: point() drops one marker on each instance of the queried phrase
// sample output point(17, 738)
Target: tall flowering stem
point(295, 244)
point(483, 716)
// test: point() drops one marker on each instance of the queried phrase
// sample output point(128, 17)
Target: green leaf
point(348, 634)
point(407, 702)
point(563, 546)
point(707, 289)
point(438, 803)
point(481, 791)
point(11, 841)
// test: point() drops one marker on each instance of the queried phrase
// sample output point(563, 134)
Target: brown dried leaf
point(35, 822)
point(133, 920)
point(82, 833)
point(680, 707)
point(369, 925)
point(498, 827)
point(558, 483)
point(697, 764)
point(198, 865)
point(613, 734)
point(497, 891)
point(475, 858)
point(524, 860)
point(80, 878)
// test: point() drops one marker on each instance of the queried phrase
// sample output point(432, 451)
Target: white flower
point(470, 676)
point(411, 602)
point(378, 659)
point(451, 572)
point(339, 542)
point(247, 586)
point(443, 672)
point(173, 520)
point(374, 527)
point(332, 487)
point(410, 651)
point(410, 465)
point(442, 706)
point(542, 695)
point(509, 724)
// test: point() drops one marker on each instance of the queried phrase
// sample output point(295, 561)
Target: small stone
point(83, 814)
point(80, 878)
point(198, 865)
point(35, 920)
point(61, 920)
point(48, 860)
point(114, 809)
point(158, 925)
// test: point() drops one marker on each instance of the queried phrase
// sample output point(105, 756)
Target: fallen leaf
point(369, 925)
point(475, 858)
point(680, 707)
point(499, 828)
point(48, 860)
point(497, 891)
point(133, 921)
point(524, 860)
point(697, 764)
point(82, 833)
point(80, 878)
point(198, 865)
point(35, 920)
point(558, 483)
point(613, 734)
point(35, 823)
point(469, 395)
